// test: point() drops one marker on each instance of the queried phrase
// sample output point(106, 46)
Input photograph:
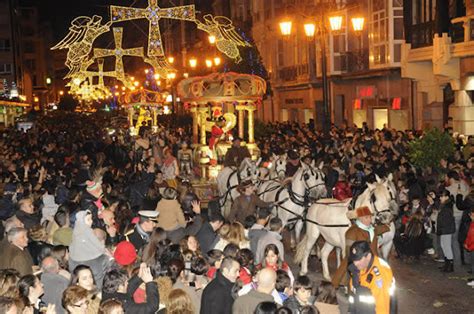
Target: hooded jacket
point(85, 245)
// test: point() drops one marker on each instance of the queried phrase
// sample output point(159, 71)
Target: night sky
point(60, 13)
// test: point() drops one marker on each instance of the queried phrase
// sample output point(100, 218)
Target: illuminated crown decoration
point(85, 30)
point(222, 87)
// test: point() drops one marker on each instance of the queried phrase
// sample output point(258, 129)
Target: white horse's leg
point(296, 235)
point(327, 248)
point(312, 235)
point(387, 242)
point(338, 256)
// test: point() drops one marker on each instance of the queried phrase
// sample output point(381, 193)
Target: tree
point(67, 103)
point(428, 150)
point(251, 63)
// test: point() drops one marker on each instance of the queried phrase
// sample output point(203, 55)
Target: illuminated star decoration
point(119, 53)
point(82, 33)
point(227, 39)
point(153, 13)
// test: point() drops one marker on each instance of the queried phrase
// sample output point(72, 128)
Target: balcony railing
point(292, 73)
point(422, 35)
point(358, 60)
point(456, 32)
point(462, 29)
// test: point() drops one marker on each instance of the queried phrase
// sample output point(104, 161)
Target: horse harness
point(301, 200)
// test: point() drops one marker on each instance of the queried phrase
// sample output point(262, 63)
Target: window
point(5, 45)
point(31, 64)
point(281, 54)
point(5, 68)
point(28, 47)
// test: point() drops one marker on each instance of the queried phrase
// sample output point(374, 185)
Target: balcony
point(357, 61)
point(422, 35)
point(293, 73)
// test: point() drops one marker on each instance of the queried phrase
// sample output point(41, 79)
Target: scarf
point(370, 229)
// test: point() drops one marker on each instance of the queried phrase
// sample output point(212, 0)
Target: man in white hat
point(140, 235)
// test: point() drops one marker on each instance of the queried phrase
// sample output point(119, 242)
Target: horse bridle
point(305, 178)
point(377, 212)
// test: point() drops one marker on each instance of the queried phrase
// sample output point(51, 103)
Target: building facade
point(365, 83)
point(11, 72)
point(439, 57)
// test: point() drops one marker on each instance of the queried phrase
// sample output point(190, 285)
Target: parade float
point(145, 105)
point(218, 103)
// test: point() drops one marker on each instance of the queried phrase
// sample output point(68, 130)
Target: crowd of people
point(97, 221)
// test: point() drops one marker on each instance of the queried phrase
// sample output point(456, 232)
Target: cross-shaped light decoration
point(153, 13)
point(119, 53)
point(100, 73)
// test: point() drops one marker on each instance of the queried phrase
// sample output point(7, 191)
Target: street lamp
point(171, 60)
point(193, 63)
point(310, 29)
point(285, 27)
point(217, 61)
point(212, 39)
point(357, 24)
point(208, 63)
point(335, 23)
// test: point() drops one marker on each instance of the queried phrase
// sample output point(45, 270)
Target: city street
point(421, 287)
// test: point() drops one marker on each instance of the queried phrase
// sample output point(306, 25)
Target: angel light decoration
point(82, 33)
point(227, 39)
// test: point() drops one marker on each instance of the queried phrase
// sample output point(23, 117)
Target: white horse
point(329, 219)
point(290, 200)
point(229, 179)
point(276, 170)
point(386, 239)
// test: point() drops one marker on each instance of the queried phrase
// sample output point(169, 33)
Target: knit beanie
point(92, 186)
point(125, 253)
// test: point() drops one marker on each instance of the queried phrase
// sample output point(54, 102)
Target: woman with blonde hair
point(234, 234)
point(179, 303)
point(8, 283)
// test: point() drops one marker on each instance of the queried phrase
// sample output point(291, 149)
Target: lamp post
point(311, 31)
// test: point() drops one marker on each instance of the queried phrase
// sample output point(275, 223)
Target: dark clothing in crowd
point(206, 237)
point(129, 305)
point(217, 296)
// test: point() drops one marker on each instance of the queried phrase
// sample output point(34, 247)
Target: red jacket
point(469, 242)
point(342, 190)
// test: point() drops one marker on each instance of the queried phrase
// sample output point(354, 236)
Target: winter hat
point(358, 250)
point(92, 186)
point(125, 253)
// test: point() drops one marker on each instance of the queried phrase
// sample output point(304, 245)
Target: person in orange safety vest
point(372, 286)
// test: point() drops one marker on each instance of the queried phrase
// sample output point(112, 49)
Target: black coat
point(29, 220)
point(136, 239)
point(206, 237)
point(217, 296)
point(445, 223)
point(152, 297)
point(465, 205)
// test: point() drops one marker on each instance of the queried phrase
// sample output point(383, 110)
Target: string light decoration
point(153, 13)
point(85, 30)
point(226, 37)
point(82, 34)
point(119, 52)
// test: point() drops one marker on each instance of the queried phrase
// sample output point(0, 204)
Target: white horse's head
point(279, 164)
point(378, 199)
point(248, 170)
point(314, 181)
point(394, 197)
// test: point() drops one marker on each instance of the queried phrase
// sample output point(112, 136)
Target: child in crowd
point(301, 294)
